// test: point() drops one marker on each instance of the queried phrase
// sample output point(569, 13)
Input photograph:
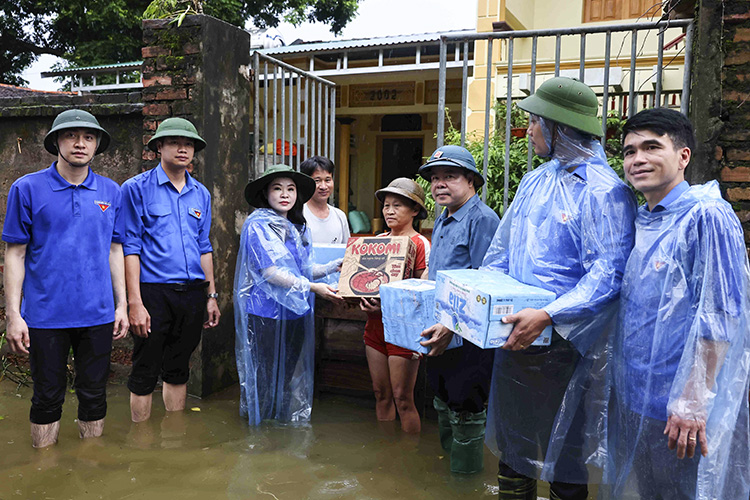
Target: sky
point(375, 18)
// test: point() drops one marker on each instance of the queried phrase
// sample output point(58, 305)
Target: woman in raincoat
point(569, 230)
point(393, 369)
point(273, 299)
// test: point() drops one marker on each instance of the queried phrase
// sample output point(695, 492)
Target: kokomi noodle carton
point(472, 303)
point(408, 309)
point(371, 261)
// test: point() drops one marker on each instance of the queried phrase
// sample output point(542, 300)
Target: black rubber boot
point(516, 488)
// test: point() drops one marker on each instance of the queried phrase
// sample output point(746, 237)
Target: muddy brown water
point(208, 451)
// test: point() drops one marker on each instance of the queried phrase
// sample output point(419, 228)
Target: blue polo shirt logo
point(104, 205)
point(195, 212)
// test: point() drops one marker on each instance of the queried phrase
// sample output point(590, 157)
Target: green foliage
point(176, 9)
point(107, 31)
point(518, 155)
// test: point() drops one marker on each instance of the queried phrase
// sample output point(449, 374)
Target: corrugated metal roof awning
point(134, 65)
point(361, 43)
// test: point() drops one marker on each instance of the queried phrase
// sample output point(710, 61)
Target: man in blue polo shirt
point(682, 350)
point(460, 377)
point(168, 268)
point(64, 252)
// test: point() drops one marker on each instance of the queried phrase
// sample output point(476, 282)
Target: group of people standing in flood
point(651, 340)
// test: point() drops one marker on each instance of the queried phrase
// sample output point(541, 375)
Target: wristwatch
point(213, 296)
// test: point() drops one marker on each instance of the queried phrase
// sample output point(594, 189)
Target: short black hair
point(663, 121)
point(313, 163)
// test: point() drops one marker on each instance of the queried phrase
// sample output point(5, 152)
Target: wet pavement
point(208, 451)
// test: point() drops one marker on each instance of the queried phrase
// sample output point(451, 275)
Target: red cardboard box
point(372, 261)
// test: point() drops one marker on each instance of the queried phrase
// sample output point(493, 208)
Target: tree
point(91, 32)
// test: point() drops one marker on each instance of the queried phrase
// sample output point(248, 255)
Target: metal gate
point(625, 102)
point(294, 114)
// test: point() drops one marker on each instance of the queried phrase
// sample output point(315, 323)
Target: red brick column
point(733, 152)
point(170, 59)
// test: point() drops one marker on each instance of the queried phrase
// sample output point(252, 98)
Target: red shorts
point(375, 338)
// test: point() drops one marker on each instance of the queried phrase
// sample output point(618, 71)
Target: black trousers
point(177, 315)
point(461, 377)
point(530, 389)
point(48, 356)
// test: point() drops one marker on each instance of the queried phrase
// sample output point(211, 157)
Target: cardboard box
point(372, 261)
point(472, 303)
point(323, 253)
point(408, 309)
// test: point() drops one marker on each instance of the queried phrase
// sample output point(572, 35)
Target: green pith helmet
point(75, 118)
point(176, 127)
point(305, 183)
point(568, 102)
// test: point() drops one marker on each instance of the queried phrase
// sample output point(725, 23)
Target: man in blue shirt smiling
point(460, 377)
point(168, 268)
point(681, 353)
point(64, 236)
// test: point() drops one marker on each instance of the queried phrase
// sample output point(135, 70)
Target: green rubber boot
point(444, 423)
point(467, 449)
point(516, 488)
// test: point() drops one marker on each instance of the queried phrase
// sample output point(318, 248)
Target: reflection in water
point(212, 453)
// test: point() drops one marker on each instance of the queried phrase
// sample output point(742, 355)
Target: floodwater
point(208, 451)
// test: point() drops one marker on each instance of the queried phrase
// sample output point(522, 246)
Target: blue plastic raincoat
point(684, 309)
point(273, 304)
point(568, 230)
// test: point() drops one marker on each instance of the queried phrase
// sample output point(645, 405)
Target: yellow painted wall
point(550, 14)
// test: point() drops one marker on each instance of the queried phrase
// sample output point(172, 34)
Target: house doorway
point(400, 157)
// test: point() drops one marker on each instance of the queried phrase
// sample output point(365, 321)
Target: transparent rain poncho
point(683, 348)
point(274, 321)
point(569, 230)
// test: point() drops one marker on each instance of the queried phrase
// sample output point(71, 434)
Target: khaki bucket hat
point(408, 189)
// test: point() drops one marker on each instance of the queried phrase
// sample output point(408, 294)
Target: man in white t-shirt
point(327, 223)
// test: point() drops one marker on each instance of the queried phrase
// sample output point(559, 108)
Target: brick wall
point(171, 59)
point(733, 151)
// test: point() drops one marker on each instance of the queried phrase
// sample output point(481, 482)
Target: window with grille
point(611, 10)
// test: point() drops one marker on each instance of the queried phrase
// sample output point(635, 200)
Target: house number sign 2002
point(383, 95)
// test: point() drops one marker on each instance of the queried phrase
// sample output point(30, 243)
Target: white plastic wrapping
point(273, 304)
point(569, 230)
point(683, 349)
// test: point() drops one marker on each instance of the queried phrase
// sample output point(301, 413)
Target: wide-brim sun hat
point(452, 156)
point(305, 183)
point(176, 127)
point(408, 189)
point(75, 118)
point(566, 101)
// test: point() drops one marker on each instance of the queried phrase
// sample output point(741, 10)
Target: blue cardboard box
point(408, 309)
point(325, 253)
point(472, 303)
